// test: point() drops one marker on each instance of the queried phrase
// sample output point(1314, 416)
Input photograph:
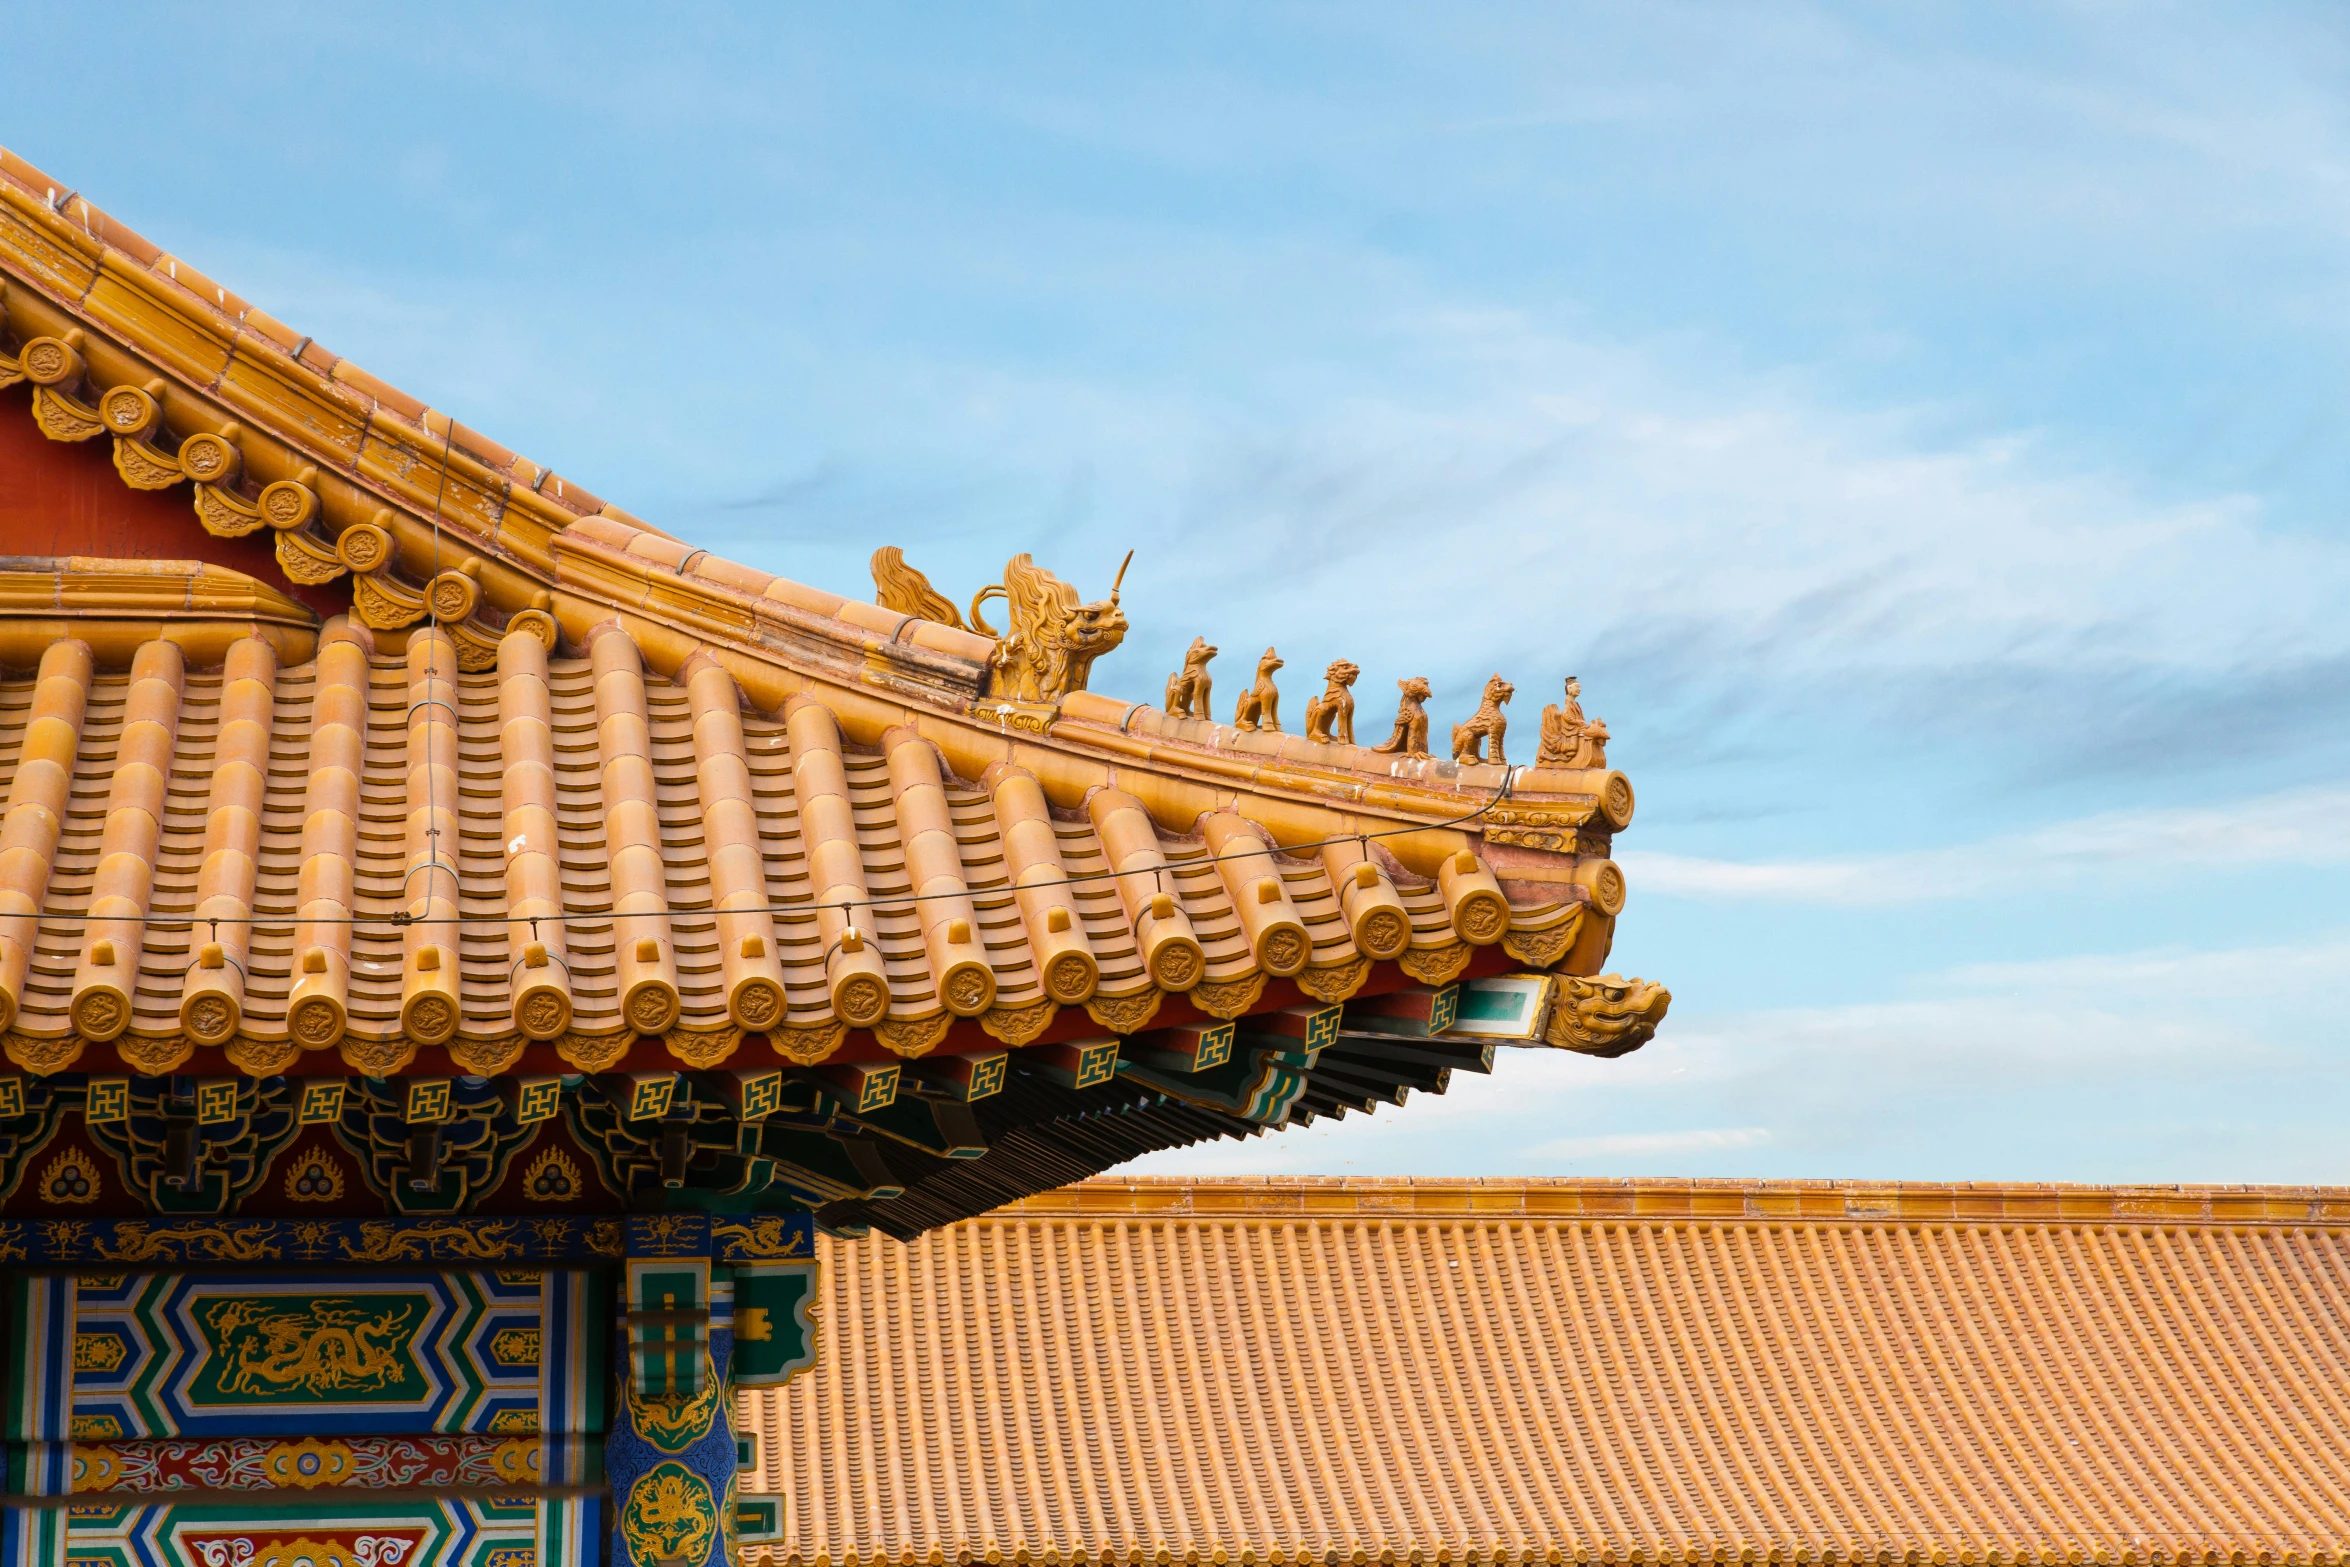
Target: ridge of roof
point(115, 605)
point(1663, 1200)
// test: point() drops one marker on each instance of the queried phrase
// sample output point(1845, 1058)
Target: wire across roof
point(949, 935)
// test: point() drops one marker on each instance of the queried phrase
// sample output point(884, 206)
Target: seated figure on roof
point(1568, 738)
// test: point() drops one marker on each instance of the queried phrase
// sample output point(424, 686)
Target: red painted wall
point(64, 498)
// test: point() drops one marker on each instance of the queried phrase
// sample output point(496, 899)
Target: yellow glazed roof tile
point(640, 809)
point(1447, 1371)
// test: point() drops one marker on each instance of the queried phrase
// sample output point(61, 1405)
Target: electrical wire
point(886, 904)
point(433, 614)
point(402, 919)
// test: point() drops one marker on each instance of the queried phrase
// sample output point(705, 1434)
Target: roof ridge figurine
point(1259, 706)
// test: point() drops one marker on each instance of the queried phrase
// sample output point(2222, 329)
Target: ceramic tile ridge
point(1664, 1200)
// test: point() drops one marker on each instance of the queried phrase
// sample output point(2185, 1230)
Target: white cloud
point(2295, 827)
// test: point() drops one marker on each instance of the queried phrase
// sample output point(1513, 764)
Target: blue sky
point(1921, 426)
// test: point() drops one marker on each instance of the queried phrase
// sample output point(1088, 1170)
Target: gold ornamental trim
point(1332, 983)
point(42, 1055)
point(1544, 948)
point(1436, 965)
point(912, 1037)
point(1033, 718)
point(1127, 1014)
point(487, 1057)
point(153, 1055)
point(809, 1045)
point(65, 418)
point(1017, 1026)
point(703, 1047)
point(307, 560)
point(385, 605)
point(143, 467)
point(1228, 998)
point(594, 1052)
point(262, 1057)
point(224, 513)
point(760, 1237)
point(380, 1057)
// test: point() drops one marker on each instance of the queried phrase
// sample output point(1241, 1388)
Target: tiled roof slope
point(690, 753)
point(1440, 1371)
point(611, 786)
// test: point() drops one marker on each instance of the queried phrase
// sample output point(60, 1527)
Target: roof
point(365, 485)
point(481, 775)
point(1428, 1370)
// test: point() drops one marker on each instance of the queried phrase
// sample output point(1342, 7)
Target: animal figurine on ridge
point(1486, 726)
point(1330, 717)
point(1259, 706)
point(1187, 688)
point(1411, 720)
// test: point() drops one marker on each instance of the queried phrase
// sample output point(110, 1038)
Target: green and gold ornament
point(670, 1457)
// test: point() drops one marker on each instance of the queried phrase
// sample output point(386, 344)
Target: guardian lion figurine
point(1411, 720)
point(1487, 725)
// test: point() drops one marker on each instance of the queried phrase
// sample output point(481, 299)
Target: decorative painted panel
point(766, 1237)
point(204, 1355)
point(671, 1456)
point(395, 1532)
point(672, 1466)
point(310, 1353)
point(306, 1463)
point(261, 1242)
point(761, 1519)
point(575, 1327)
point(39, 1320)
point(774, 1322)
point(665, 1353)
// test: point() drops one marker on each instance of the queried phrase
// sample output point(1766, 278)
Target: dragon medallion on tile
point(670, 1515)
